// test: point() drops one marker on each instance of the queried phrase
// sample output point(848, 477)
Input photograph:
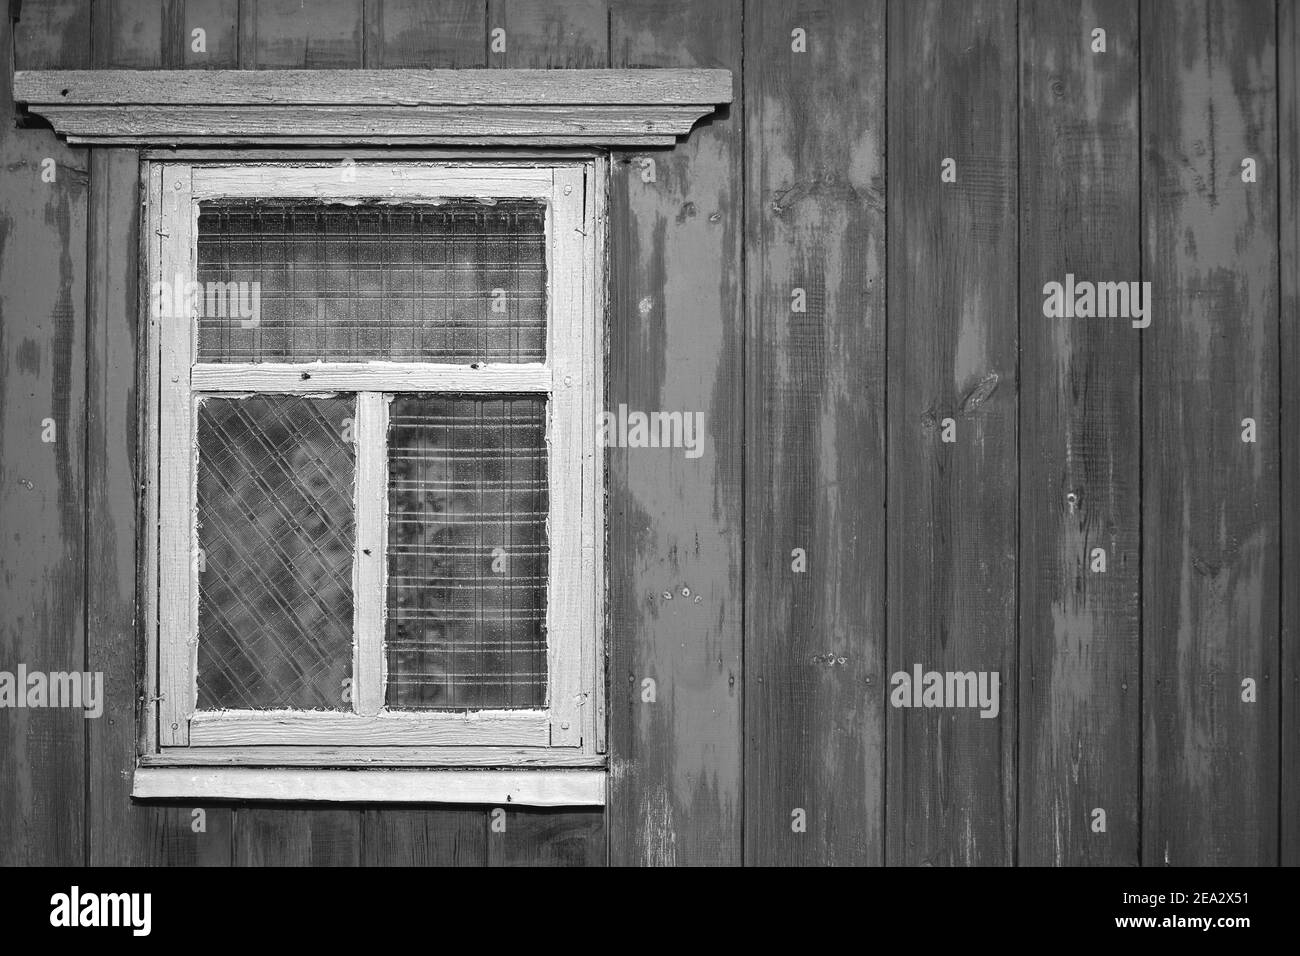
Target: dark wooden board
point(173, 836)
point(291, 34)
point(51, 35)
point(296, 836)
point(1080, 435)
point(1210, 501)
point(952, 355)
point(419, 837)
point(219, 20)
point(676, 343)
point(1288, 58)
point(133, 34)
point(42, 495)
point(548, 838)
point(419, 34)
point(815, 393)
point(572, 34)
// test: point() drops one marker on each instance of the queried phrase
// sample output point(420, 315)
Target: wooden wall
point(1121, 690)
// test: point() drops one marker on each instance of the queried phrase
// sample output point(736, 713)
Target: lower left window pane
point(276, 537)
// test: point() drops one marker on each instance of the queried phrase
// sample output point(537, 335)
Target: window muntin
point(405, 689)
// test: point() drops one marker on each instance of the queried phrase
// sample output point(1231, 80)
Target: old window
point(377, 491)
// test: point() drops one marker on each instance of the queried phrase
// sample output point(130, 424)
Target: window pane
point(467, 552)
point(459, 282)
point(275, 511)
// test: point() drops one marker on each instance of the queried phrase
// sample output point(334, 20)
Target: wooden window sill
point(533, 788)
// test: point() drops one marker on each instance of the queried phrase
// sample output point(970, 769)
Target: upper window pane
point(458, 281)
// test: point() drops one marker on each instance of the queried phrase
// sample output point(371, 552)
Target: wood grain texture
point(292, 34)
point(677, 343)
point(952, 355)
point(288, 378)
point(54, 34)
point(548, 838)
point(219, 20)
point(1288, 57)
point(533, 788)
point(568, 34)
point(815, 389)
point(1210, 500)
point(42, 483)
point(393, 88)
point(425, 837)
point(163, 107)
point(133, 34)
point(1080, 454)
point(163, 835)
point(265, 728)
point(416, 33)
point(289, 835)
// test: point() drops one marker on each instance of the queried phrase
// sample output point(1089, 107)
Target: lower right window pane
point(467, 552)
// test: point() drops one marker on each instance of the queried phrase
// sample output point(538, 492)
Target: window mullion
point(370, 431)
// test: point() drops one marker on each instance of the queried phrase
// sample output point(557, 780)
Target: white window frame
point(569, 730)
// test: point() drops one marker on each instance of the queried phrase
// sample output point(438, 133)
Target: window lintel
point(641, 107)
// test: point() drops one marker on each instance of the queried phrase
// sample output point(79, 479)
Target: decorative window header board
point(650, 107)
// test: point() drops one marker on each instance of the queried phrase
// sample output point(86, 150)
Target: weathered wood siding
point(798, 271)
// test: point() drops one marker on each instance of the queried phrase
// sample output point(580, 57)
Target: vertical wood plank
point(42, 482)
point(416, 33)
point(555, 34)
point(111, 641)
point(1210, 508)
point(52, 35)
point(952, 356)
point(179, 836)
point(131, 34)
point(292, 35)
point(1079, 438)
point(219, 20)
point(1289, 204)
point(549, 838)
point(297, 836)
point(425, 837)
point(675, 550)
point(815, 406)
